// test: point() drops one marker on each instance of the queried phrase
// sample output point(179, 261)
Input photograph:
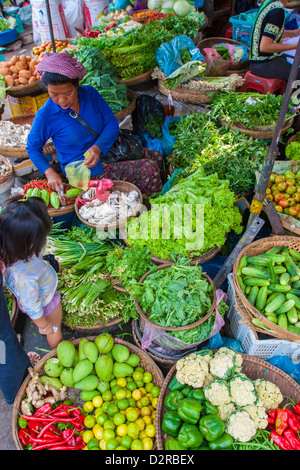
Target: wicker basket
point(138, 80)
point(130, 108)
point(234, 67)
point(24, 90)
point(146, 362)
point(257, 133)
point(9, 173)
point(144, 316)
point(144, 18)
point(186, 95)
point(123, 186)
point(20, 152)
point(96, 329)
point(254, 368)
point(257, 248)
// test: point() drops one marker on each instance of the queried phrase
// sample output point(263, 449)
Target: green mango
point(29, 192)
point(88, 383)
point(54, 200)
point(54, 381)
point(45, 196)
point(81, 354)
point(133, 360)
point(82, 369)
point(104, 343)
point(76, 358)
point(53, 368)
point(104, 367)
point(121, 369)
point(120, 352)
point(103, 386)
point(91, 351)
point(88, 395)
point(36, 193)
point(66, 353)
point(66, 377)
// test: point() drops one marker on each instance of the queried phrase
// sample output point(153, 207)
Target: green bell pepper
point(171, 423)
point(172, 400)
point(175, 385)
point(197, 394)
point(173, 444)
point(209, 409)
point(186, 390)
point(189, 410)
point(189, 436)
point(212, 427)
point(224, 442)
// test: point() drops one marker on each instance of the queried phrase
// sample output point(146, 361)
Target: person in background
point(58, 119)
point(267, 58)
point(24, 226)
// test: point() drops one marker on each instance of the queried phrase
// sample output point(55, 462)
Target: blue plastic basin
point(7, 37)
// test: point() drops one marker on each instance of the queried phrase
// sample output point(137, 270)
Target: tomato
point(281, 186)
point(290, 181)
point(269, 198)
point(291, 201)
point(289, 174)
point(293, 211)
point(274, 187)
point(291, 189)
point(279, 209)
point(283, 202)
point(278, 197)
point(279, 178)
point(273, 176)
point(268, 191)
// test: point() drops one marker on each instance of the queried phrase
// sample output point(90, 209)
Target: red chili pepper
point(271, 420)
point(45, 409)
point(46, 428)
point(64, 447)
point(272, 414)
point(293, 421)
point(34, 426)
point(37, 419)
point(53, 444)
point(280, 441)
point(296, 409)
point(281, 420)
point(44, 440)
point(24, 436)
point(292, 438)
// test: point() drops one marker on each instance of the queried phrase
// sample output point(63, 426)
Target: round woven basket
point(20, 152)
point(95, 329)
point(234, 67)
point(9, 172)
point(265, 134)
point(123, 186)
point(257, 248)
point(144, 18)
point(186, 95)
point(254, 368)
point(24, 90)
point(146, 362)
point(144, 316)
point(139, 79)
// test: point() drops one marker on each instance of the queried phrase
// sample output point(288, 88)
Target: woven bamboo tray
point(146, 362)
point(254, 368)
point(257, 248)
point(20, 152)
point(234, 67)
point(144, 18)
point(96, 329)
point(123, 186)
point(24, 90)
point(144, 316)
point(138, 80)
point(186, 95)
point(260, 134)
point(9, 173)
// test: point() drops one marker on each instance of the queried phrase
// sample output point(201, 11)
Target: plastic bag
point(78, 174)
point(97, 189)
point(168, 341)
point(73, 10)
point(146, 107)
point(167, 139)
point(127, 146)
point(169, 54)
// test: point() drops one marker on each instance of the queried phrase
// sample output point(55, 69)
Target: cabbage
point(168, 4)
point(167, 11)
point(154, 4)
point(182, 8)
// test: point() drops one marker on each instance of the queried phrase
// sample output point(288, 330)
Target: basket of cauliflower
point(239, 390)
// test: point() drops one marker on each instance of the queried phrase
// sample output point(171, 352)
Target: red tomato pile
point(284, 191)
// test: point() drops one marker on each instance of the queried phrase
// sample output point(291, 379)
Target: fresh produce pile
point(178, 7)
point(284, 191)
point(213, 405)
point(284, 424)
point(201, 144)
point(118, 399)
point(13, 134)
point(292, 150)
point(19, 70)
point(46, 46)
point(271, 283)
point(6, 24)
point(250, 110)
point(220, 216)
point(40, 188)
point(134, 52)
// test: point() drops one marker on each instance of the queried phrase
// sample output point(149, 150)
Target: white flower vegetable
point(268, 393)
point(217, 393)
point(242, 391)
point(225, 410)
point(192, 370)
point(241, 426)
point(258, 414)
point(225, 363)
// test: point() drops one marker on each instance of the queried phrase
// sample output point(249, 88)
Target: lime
point(121, 393)
point(112, 409)
point(137, 375)
point(126, 441)
point(123, 404)
point(107, 395)
point(136, 445)
point(102, 418)
point(119, 418)
point(108, 434)
point(131, 386)
point(155, 391)
point(93, 443)
point(147, 377)
point(109, 424)
point(112, 444)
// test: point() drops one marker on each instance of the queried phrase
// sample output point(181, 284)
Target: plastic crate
point(7, 37)
point(262, 348)
point(242, 25)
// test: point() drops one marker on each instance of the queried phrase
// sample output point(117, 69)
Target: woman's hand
point(94, 157)
point(54, 180)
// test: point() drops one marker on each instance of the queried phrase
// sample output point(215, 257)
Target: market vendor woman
point(267, 58)
point(57, 119)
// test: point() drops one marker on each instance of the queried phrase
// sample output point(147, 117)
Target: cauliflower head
point(225, 410)
point(217, 392)
point(258, 414)
point(269, 393)
point(193, 370)
point(225, 363)
point(242, 390)
point(241, 426)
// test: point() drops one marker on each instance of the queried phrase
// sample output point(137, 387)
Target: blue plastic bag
point(168, 56)
point(288, 366)
point(168, 140)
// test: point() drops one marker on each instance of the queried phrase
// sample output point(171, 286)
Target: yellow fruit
point(136, 445)
point(132, 414)
point(87, 435)
point(145, 411)
point(122, 430)
point(143, 390)
point(142, 435)
point(97, 401)
point(133, 430)
point(136, 394)
point(150, 430)
point(147, 443)
point(122, 382)
point(88, 406)
point(98, 431)
point(89, 421)
point(121, 393)
point(102, 444)
point(145, 401)
point(154, 403)
point(141, 423)
point(147, 419)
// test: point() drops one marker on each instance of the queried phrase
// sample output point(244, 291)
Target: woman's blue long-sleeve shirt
point(70, 138)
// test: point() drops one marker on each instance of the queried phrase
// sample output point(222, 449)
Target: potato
point(25, 74)
point(23, 81)
point(5, 71)
point(15, 75)
point(33, 64)
point(16, 82)
point(22, 58)
point(13, 60)
point(21, 65)
point(9, 80)
point(32, 79)
point(13, 69)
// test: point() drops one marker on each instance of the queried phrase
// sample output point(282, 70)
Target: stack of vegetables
point(213, 405)
point(201, 143)
point(134, 52)
point(284, 191)
point(40, 188)
point(197, 191)
point(271, 283)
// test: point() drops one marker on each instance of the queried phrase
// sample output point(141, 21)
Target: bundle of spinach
point(175, 296)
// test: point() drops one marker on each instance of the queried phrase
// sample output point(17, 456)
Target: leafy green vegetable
point(292, 151)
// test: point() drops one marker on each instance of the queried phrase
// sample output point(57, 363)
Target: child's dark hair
point(24, 226)
point(51, 78)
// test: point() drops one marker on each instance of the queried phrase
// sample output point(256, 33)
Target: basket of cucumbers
point(57, 204)
point(266, 278)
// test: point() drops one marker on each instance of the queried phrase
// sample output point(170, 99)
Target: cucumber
point(273, 318)
point(259, 324)
point(294, 329)
point(289, 264)
point(253, 294)
point(279, 288)
point(294, 254)
point(285, 307)
point(255, 272)
point(282, 321)
point(292, 315)
point(284, 279)
point(279, 269)
point(274, 303)
point(257, 261)
point(261, 298)
point(251, 281)
point(290, 296)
